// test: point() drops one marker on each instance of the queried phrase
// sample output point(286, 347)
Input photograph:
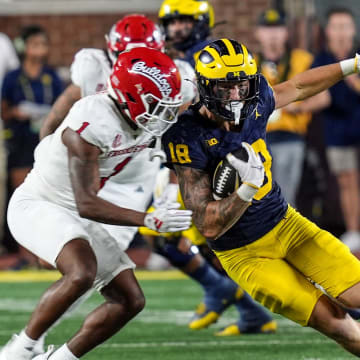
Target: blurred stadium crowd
point(315, 144)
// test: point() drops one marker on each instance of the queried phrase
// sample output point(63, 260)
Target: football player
point(89, 74)
point(264, 244)
point(187, 25)
point(58, 215)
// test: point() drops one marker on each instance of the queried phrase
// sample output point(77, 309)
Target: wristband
point(246, 192)
point(348, 66)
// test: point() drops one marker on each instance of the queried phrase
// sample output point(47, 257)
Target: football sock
point(39, 347)
point(209, 278)
point(63, 353)
point(175, 256)
point(251, 311)
point(23, 341)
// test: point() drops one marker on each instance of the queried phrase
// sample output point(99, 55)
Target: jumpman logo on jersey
point(257, 114)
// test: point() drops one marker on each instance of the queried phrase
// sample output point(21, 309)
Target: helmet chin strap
point(236, 110)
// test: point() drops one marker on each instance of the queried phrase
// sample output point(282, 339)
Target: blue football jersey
point(192, 54)
point(195, 142)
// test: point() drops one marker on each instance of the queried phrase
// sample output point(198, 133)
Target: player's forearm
point(220, 216)
point(212, 218)
point(172, 177)
point(316, 103)
point(85, 180)
point(97, 209)
point(60, 109)
point(313, 81)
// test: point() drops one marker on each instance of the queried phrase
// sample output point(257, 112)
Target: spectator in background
point(8, 61)
point(27, 95)
point(341, 115)
point(285, 130)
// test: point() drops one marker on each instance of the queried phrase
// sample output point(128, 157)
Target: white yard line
point(217, 343)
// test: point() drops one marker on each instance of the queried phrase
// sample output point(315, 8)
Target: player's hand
point(168, 219)
point(169, 195)
point(251, 172)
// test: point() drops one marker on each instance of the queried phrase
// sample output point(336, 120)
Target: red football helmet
point(133, 31)
point(146, 83)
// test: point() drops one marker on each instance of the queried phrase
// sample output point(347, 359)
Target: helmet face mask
point(146, 84)
point(201, 14)
point(227, 91)
point(159, 115)
point(228, 81)
point(179, 29)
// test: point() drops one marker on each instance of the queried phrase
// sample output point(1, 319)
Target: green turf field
point(160, 332)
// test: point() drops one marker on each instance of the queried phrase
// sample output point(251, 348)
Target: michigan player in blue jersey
point(264, 244)
point(187, 25)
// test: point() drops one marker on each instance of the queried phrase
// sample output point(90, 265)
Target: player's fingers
point(173, 205)
point(178, 228)
point(180, 212)
point(249, 149)
point(231, 158)
point(179, 222)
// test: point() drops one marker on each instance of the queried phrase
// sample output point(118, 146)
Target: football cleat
point(45, 356)
point(241, 328)
point(8, 353)
point(210, 310)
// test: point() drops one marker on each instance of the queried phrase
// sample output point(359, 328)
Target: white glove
point(168, 219)
point(169, 195)
point(350, 66)
point(251, 172)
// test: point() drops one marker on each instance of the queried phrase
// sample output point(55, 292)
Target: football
point(226, 179)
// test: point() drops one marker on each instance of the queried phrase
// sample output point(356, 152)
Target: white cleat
point(45, 356)
point(8, 353)
point(39, 347)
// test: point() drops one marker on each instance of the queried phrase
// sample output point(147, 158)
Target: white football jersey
point(188, 80)
point(91, 69)
point(98, 122)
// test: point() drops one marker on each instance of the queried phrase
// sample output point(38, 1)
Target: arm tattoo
point(212, 218)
